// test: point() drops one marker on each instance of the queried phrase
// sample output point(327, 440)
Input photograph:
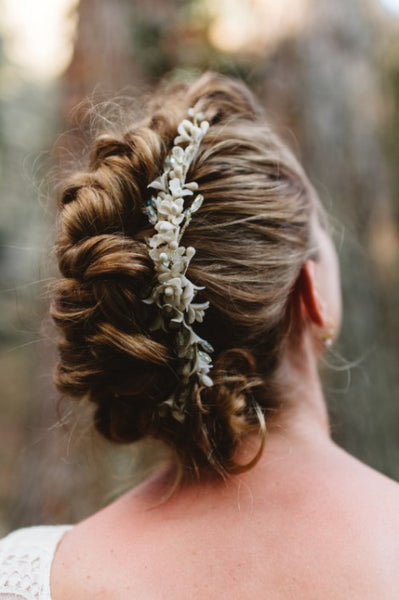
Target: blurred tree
point(56, 483)
point(325, 85)
point(23, 229)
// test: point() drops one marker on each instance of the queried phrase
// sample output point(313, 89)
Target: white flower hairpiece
point(173, 293)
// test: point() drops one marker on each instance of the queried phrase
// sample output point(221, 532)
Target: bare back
point(303, 525)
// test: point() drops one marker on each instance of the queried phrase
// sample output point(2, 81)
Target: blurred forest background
point(328, 74)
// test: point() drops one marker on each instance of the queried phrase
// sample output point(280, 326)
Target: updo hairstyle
point(251, 236)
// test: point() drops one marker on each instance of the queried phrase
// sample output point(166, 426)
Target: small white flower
point(178, 154)
point(173, 290)
point(185, 131)
point(166, 236)
point(172, 209)
point(188, 292)
point(206, 380)
point(178, 190)
point(164, 226)
point(196, 312)
point(161, 183)
point(204, 127)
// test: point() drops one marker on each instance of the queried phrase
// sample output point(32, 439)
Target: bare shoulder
point(379, 490)
point(344, 516)
point(334, 519)
point(88, 560)
point(369, 501)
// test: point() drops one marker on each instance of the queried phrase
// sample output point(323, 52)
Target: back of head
point(251, 237)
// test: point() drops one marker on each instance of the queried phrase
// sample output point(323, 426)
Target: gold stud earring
point(327, 338)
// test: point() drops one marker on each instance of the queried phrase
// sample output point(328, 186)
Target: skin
point(308, 522)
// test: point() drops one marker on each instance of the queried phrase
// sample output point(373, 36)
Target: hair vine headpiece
point(173, 293)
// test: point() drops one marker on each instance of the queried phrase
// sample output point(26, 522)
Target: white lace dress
point(26, 556)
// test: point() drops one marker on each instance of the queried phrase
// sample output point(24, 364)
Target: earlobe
point(311, 301)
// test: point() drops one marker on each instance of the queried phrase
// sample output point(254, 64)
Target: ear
point(312, 304)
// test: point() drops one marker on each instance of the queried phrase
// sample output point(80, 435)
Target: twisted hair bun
point(251, 238)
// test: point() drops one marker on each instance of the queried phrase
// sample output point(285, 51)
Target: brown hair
point(252, 236)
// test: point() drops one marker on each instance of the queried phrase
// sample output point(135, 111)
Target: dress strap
point(26, 556)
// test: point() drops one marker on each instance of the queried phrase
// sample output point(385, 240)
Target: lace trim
point(26, 556)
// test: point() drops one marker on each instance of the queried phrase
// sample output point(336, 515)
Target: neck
point(301, 428)
point(301, 425)
point(303, 404)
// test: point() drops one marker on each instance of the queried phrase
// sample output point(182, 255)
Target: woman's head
point(253, 234)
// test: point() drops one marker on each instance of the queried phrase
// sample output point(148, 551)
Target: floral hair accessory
point(170, 212)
